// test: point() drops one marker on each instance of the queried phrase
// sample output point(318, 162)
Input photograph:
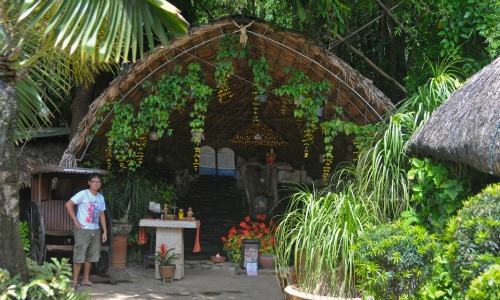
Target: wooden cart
point(51, 227)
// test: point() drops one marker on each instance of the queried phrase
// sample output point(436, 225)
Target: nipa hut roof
point(34, 155)
point(361, 101)
point(466, 127)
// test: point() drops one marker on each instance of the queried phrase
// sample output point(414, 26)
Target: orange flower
point(224, 239)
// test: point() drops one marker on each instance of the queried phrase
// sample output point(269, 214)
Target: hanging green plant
point(229, 50)
point(201, 94)
point(261, 81)
point(308, 97)
point(126, 139)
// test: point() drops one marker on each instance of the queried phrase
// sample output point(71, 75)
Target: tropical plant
point(308, 97)
point(128, 194)
point(25, 231)
point(316, 235)
point(486, 286)
point(382, 170)
point(30, 31)
point(228, 51)
point(253, 230)
point(49, 281)
point(165, 256)
point(473, 237)
point(394, 260)
point(435, 192)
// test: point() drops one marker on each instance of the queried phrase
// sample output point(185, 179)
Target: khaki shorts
point(87, 245)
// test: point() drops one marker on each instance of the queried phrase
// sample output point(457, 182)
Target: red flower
point(244, 225)
point(247, 219)
point(262, 225)
point(224, 239)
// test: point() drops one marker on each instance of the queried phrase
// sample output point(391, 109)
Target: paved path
point(140, 283)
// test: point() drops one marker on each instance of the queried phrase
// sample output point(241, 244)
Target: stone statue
point(189, 215)
point(271, 157)
point(243, 33)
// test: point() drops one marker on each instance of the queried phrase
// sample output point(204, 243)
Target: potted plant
point(165, 258)
point(253, 230)
point(315, 236)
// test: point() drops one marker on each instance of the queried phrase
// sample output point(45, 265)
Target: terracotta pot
point(292, 292)
point(218, 259)
point(167, 272)
point(119, 254)
point(266, 261)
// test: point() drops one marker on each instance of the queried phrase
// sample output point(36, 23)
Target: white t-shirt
point(89, 208)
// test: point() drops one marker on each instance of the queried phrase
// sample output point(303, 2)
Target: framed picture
point(250, 252)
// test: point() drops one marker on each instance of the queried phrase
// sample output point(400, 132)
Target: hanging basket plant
point(308, 97)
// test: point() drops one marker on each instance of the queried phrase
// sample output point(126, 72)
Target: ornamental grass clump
point(251, 230)
point(316, 233)
point(394, 260)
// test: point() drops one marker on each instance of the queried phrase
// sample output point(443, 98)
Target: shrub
point(486, 286)
point(49, 281)
point(473, 237)
point(248, 229)
point(393, 260)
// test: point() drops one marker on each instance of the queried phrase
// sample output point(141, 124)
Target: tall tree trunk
point(12, 257)
point(83, 98)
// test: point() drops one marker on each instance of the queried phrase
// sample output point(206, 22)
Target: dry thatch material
point(361, 101)
point(34, 155)
point(466, 127)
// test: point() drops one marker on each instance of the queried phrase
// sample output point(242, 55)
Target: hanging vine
point(308, 96)
point(229, 50)
point(201, 94)
point(129, 127)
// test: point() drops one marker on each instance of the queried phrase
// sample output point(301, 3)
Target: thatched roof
point(33, 155)
point(362, 102)
point(466, 127)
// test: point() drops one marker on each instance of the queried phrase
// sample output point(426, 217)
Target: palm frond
point(80, 24)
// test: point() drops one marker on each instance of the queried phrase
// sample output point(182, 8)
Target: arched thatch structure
point(361, 101)
point(466, 127)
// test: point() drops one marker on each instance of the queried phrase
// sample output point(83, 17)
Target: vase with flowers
point(257, 229)
point(165, 258)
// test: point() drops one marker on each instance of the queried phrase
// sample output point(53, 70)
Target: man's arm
point(70, 207)
point(102, 218)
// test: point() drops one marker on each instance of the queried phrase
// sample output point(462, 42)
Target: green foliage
point(229, 50)
point(308, 96)
point(441, 286)
point(437, 195)
point(316, 233)
point(393, 260)
point(202, 94)
point(473, 237)
point(464, 23)
point(261, 78)
point(486, 286)
point(49, 281)
point(129, 126)
point(25, 231)
point(128, 195)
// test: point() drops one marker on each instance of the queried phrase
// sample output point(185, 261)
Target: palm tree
point(96, 31)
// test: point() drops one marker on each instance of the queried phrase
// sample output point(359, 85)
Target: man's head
point(95, 180)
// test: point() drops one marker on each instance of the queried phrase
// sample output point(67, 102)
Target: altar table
point(170, 232)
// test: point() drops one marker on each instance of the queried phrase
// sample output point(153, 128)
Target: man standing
point(90, 210)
